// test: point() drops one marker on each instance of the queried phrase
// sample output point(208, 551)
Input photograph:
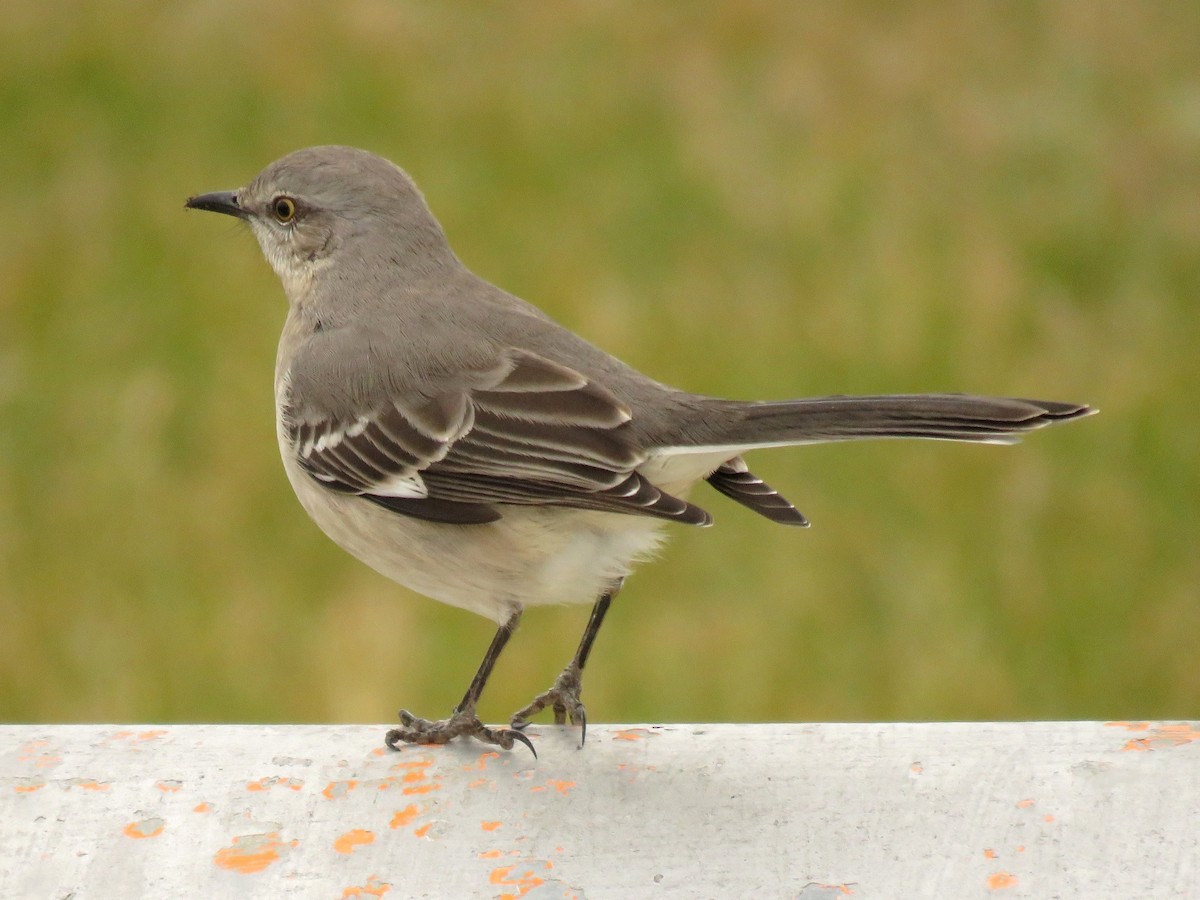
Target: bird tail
point(949, 417)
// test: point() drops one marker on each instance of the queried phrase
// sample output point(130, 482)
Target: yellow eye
point(284, 209)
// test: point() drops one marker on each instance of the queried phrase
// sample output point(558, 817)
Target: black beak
point(218, 201)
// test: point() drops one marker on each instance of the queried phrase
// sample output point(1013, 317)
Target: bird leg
point(563, 696)
point(463, 720)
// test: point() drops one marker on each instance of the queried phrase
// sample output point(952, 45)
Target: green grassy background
point(752, 199)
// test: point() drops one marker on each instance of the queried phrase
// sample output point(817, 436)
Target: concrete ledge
point(1042, 809)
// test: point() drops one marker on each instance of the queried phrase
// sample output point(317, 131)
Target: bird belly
point(531, 556)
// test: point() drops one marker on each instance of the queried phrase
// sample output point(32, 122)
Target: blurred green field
point(753, 199)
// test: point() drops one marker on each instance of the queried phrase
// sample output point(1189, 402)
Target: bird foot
point(462, 723)
point(563, 698)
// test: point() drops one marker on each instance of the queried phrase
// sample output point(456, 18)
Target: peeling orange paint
point(414, 775)
point(354, 838)
point(413, 763)
point(146, 828)
point(562, 787)
point(1000, 880)
point(269, 781)
point(373, 888)
point(490, 854)
point(202, 807)
point(478, 782)
point(29, 787)
point(1163, 737)
point(1129, 726)
point(989, 854)
point(88, 784)
point(31, 752)
point(631, 734)
point(481, 764)
point(423, 830)
point(251, 853)
point(404, 816)
point(422, 788)
point(168, 787)
point(378, 751)
point(524, 882)
point(489, 826)
point(1025, 804)
point(1048, 818)
point(152, 735)
point(339, 788)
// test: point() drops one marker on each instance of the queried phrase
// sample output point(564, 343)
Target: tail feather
point(952, 417)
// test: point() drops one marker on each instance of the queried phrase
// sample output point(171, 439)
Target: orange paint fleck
point(421, 788)
point(413, 763)
point(146, 828)
point(1024, 804)
point(423, 830)
point(999, 880)
point(354, 838)
point(152, 735)
point(489, 826)
point(524, 882)
point(373, 888)
point(251, 853)
point(1129, 726)
point(1048, 818)
point(1164, 737)
point(378, 751)
point(168, 787)
point(481, 764)
point(414, 775)
point(29, 788)
point(269, 781)
point(478, 782)
point(490, 854)
point(404, 816)
point(1020, 848)
point(631, 734)
point(339, 788)
point(202, 807)
point(89, 784)
point(563, 787)
point(989, 854)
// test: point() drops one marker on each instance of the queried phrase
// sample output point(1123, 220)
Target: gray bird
point(459, 441)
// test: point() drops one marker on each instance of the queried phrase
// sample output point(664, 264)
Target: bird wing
point(524, 431)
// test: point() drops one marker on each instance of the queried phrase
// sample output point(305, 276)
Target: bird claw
point(462, 723)
point(563, 698)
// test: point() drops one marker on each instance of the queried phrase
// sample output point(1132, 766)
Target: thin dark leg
point(463, 720)
point(595, 620)
point(563, 696)
point(503, 633)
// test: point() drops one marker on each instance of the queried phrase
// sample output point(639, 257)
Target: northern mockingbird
point(456, 439)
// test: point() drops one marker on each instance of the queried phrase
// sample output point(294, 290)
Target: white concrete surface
point(1046, 810)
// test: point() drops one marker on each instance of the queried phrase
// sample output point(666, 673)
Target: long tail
point(950, 417)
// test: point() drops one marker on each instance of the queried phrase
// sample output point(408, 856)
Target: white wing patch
point(411, 486)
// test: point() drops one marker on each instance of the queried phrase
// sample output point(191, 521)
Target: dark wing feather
point(738, 483)
point(529, 432)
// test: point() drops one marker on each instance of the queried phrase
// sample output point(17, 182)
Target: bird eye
point(284, 209)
